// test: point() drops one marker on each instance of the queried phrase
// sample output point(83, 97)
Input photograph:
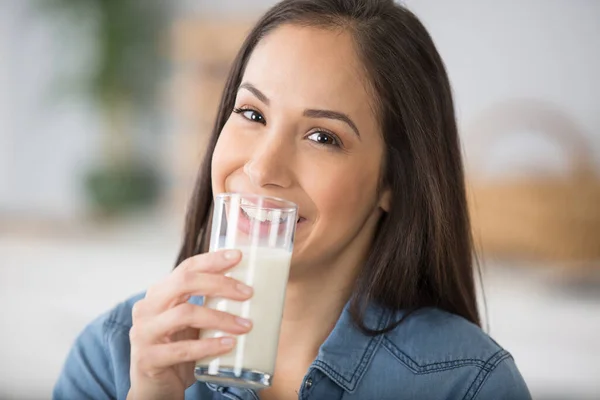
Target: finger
point(154, 359)
point(181, 286)
point(217, 261)
point(144, 308)
point(154, 330)
point(193, 277)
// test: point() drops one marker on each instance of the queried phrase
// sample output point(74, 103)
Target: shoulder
point(432, 345)
point(119, 317)
point(430, 338)
point(97, 365)
point(111, 329)
point(104, 332)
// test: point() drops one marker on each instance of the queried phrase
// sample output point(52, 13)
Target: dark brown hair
point(422, 251)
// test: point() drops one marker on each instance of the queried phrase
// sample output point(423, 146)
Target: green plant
point(127, 34)
point(114, 190)
point(123, 83)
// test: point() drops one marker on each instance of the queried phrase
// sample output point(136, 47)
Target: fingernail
point(227, 341)
point(231, 254)
point(246, 323)
point(244, 289)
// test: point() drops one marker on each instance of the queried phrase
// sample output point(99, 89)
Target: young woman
point(343, 107)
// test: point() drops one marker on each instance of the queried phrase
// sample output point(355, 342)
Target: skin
point(271, 145)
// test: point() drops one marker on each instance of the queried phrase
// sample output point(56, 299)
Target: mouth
point(261, 215)
point(264, 214)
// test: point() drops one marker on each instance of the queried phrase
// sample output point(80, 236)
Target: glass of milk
point(263, 229)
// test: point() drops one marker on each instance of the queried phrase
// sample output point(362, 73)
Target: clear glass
point(263, 229)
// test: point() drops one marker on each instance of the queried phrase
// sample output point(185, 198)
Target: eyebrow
point(311, 113)
point(332, 115)
point(252, 89)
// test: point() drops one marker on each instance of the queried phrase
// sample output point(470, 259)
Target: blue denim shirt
point(431, 355)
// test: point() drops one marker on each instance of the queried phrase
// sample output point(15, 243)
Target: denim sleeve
point(504, 383)
point(87, 372)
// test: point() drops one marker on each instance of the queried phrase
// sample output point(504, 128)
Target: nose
point(270, 164)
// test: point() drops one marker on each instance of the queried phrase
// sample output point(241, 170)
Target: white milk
point(266, 270)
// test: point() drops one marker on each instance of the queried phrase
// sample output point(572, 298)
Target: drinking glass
point(262, 228)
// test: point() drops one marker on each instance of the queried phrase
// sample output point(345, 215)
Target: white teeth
point(260, 214)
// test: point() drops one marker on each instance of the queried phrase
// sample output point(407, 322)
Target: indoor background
point(105, 107)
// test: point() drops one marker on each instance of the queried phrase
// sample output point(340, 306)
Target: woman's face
point(303, 128)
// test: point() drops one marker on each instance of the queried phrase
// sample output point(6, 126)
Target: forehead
point(310, 67)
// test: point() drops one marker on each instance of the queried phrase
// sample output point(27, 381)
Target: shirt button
point(308, 383)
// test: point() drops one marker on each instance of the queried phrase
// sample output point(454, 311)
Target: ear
point(385, 200)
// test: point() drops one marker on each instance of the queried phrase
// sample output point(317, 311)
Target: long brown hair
point(422, 251)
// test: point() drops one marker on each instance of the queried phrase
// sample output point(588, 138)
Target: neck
point(314, 303)
point(312, 309)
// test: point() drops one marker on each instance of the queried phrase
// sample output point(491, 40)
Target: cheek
point(225, 160)
point(345, 195)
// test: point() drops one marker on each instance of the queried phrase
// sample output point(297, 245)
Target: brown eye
point(323, 138)
point(250, 114)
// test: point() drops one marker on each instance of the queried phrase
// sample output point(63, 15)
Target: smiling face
point(303, 129)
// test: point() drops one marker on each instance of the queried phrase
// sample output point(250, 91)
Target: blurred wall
point(47, 133)
point(501, 50)
point(5, 122)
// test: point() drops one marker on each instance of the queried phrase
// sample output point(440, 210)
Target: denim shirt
point(431, 355)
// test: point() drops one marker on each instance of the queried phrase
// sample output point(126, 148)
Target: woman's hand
point(164, 337)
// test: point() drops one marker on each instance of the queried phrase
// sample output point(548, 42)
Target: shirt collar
point(347, 351)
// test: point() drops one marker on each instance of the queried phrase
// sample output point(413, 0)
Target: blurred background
point(105, 107)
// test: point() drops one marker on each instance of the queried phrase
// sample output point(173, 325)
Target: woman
point(344, 107)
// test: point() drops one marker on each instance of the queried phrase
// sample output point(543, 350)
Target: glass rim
point(286, 205)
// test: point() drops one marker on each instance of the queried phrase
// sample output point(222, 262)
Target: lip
point(263, 222)
point(251, 226)
point(267, 202)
